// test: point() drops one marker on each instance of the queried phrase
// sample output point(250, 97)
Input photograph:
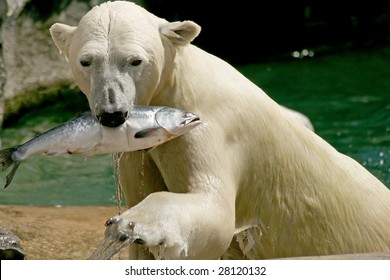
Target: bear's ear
point(180, 33)
point(62, 35)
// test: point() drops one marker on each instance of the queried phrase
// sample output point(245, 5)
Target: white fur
point(251, 166)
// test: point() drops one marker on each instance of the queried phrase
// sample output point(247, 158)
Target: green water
point(346, 96)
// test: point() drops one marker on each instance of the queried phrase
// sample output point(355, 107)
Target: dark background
point(250, 31)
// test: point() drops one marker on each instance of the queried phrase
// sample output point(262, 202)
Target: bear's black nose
point(112, 119)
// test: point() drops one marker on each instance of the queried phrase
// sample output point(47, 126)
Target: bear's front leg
point(192, 213)
point(173, 226)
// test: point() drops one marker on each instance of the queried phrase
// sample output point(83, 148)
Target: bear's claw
point(139, 241)
point(110, 221)
point(119, 233)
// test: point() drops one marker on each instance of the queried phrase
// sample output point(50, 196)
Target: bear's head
point(119, 55)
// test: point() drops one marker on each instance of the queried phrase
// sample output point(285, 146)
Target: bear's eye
point(135, 62)
point(85, 63)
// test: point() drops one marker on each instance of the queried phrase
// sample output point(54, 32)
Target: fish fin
point(145, 133)
point(6, 161)
point(10, 176)
point(6, 158)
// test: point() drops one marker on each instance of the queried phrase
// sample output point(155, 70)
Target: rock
point(10, 248)
point(31, 69)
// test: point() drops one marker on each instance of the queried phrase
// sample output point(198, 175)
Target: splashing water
point(115, 240)
point(118, 187)
point(143, 169)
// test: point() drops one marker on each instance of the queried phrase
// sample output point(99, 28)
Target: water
point(346, 96)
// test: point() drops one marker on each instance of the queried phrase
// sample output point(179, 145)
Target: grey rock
point(10, 247)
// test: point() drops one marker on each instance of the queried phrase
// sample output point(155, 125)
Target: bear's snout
point(114, 119)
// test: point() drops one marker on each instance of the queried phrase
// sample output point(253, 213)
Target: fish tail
point(6, 161)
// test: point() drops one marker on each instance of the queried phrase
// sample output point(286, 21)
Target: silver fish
point(146, 127)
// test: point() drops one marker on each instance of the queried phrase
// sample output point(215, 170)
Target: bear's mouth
point(114, 119)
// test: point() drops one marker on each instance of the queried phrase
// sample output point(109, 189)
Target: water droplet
point(295, 54)
point(143, 170)
point(305, 52)
point(118, 187)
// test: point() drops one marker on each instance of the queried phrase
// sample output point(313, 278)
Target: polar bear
point(250, 182)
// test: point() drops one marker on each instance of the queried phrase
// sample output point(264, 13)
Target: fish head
point(176, 121)
point(120, 55)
